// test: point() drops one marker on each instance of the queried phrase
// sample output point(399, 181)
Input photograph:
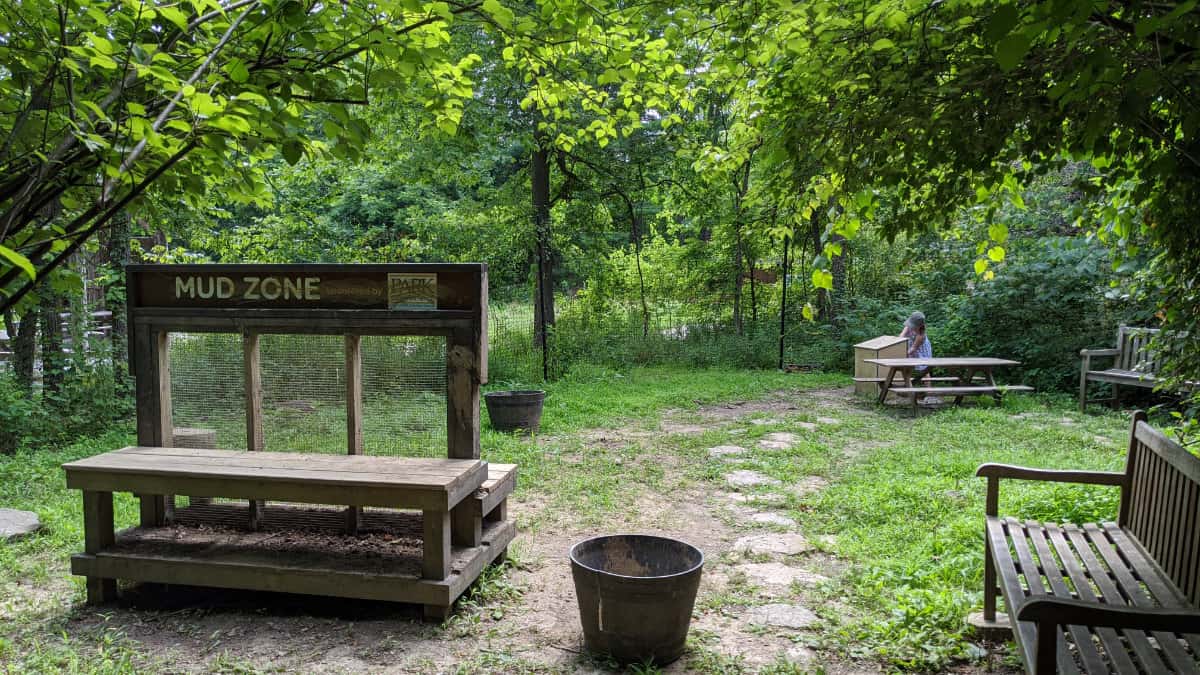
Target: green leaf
point(822, 279)
point(980, 266)
point(18, 260)
point(882, 44)
point(998, 232)
point(1012, 50)
point(807, 312)
point(1001, 23)
point(996, 253)
point(293, 151)
point(237, 71)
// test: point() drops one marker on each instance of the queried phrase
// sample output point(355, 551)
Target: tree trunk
point(22, 332)
point(54, 362)
point(116, 301)
point(838, 269)
point(739, 281)
point(539, 178)
point(815, 230)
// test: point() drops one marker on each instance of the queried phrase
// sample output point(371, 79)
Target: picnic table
point(968, 376)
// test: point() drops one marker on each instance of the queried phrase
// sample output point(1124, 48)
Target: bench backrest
point(1134, 344)
point(1160, 504)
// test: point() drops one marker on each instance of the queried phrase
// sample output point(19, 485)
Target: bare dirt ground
point(527, 619)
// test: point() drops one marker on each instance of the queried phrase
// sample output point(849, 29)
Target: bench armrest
point(1049, 612)
point(994, 472)
point(1099, 352)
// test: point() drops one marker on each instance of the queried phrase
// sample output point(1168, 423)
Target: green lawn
point(901, 511)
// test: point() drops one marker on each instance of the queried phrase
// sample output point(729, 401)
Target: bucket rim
point(515, 392)
point(690, 570)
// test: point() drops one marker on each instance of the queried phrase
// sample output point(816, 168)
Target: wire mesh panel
point(404, 395)
point(303, 393)
point(208, 402)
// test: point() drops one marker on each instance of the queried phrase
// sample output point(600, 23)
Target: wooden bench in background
point(1134, 365)
point(1109, 597)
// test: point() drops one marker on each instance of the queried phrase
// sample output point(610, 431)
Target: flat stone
point(772, 519)
point(782, 437)
point(1067, 422)
point(15, 524)
point(782, 616)
point(764, 544)
point(828, 420)
point(807, 426)
point(808, 485)
point(773, 445)
point(743, 478)
point(769, 498)
point(764, 422)
point(999, 630)
point(778, 574)
point(725, 450)
point(736, 432)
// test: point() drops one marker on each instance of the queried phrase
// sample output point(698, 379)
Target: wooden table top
point(945, 362)
point(239, 470)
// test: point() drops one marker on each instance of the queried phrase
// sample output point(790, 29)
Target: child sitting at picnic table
point(918, 343)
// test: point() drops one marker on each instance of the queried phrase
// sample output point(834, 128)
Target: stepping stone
point(1067, 422)
point(782, 616)
point(743, 478)
point(829, 420)
point(772, 519)
point(770, 498)
point(15, 524)
point(808, 485)
point(778, 574)
point(807, 426)
point(764, 544)
point(725, 450)
point(780, 440)
point(736, 432)
point(763, 423)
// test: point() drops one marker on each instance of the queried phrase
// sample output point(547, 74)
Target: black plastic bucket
point(515, 410)
point(636, 594)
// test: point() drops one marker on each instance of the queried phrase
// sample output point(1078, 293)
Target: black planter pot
point(515, 410)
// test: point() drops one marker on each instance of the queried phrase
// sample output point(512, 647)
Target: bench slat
point(1086, 649)
point(1148, 573)
point(1103, 579)
point(1033, 580)
point(1006, 573)
point(1113, 647)
point(1132, 589)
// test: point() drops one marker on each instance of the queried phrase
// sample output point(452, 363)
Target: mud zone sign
point(412, 291)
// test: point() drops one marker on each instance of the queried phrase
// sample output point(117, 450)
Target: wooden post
point(154, 426)
point(252, 369)
point(463, 352)
point(354, 415)
point(97, 536)
point(467, 523)
point(435, 563)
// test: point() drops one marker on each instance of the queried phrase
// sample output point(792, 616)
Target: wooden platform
point(297, 550)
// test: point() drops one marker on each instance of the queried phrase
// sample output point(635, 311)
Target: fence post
point(787, 241)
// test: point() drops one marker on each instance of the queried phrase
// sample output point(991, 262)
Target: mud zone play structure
point(337, 519)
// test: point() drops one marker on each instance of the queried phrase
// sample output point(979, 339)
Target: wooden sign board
point(398, 288)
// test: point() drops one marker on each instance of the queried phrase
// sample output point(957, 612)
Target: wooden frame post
point(435, 562)
point(354, 416)
point(97, 536)
point(152, 390)
point(463, 363)
point(252, 370)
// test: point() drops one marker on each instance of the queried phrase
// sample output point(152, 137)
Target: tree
point(931, 106)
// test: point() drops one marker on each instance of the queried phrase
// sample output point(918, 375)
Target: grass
point(901, 504)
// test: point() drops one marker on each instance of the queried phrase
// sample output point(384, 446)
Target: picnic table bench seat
point(1109, 597)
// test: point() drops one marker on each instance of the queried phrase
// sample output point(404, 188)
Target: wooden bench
point(1110, 597)
point(1134, 365)
point(460, 528)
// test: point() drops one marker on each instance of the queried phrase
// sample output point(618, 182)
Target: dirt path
point(758, 604)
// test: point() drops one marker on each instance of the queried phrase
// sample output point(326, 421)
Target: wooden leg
point(437, 613)
point(989, 582)
point(499, 513)
point(153, 510)
point(885, 385)
point(353, 519)
point(255, 515)
point(467, 523)
point(1116, 396)
point(436, 559)
point(1045, 660)
point(1083, 388)
point(97, 536)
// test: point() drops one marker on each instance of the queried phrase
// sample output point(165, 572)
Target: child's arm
point(916, 344)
